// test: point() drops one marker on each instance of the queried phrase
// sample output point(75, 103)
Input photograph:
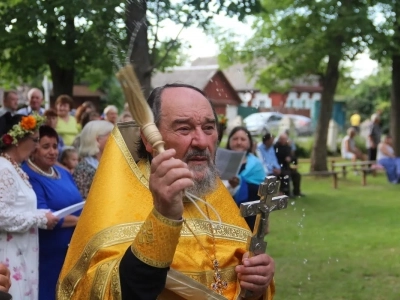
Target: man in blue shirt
point(35, 97)
point(266, 152)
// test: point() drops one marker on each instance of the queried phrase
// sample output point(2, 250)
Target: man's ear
point(149, 147)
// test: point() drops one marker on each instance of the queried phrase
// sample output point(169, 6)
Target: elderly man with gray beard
point(146, 234)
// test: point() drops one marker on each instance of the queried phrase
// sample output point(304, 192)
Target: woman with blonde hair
point(93, 139)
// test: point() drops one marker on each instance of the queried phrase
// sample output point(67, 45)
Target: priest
point(141, 236)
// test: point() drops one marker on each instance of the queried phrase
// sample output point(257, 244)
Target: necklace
point(40, 171)
point(219, 285)
point(17, 168)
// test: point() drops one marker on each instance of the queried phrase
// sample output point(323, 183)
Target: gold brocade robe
point(118, 203)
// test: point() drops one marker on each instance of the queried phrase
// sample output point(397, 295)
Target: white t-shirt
point(352, 145)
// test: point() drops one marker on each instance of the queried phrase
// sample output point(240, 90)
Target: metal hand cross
point(268, 202)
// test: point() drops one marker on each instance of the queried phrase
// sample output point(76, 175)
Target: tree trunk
point(62, 75)
point(395, 104)
point(140, 57)
point(395, 98)
point(330, 81)
point(63, 79)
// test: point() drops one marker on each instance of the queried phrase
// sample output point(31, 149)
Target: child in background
point(69, 159)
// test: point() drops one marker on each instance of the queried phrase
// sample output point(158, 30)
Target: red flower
point(7, 139)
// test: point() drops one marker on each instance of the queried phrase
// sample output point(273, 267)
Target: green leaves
point(296, 37)
point(32, 33)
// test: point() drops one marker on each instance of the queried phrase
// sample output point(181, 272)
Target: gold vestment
point(118, 204)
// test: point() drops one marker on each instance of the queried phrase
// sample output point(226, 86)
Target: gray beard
point(205, 185)
point(208, 183)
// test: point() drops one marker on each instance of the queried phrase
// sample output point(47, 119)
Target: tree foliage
point(386, 49)
point(76, 39)
point(301, 38)
point(146, 45)
point(370, 94)
point(63, 36)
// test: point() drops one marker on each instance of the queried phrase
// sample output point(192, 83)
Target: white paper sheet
point(69, 210)
point(228, 162)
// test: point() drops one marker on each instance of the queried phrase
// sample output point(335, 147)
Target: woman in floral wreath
point(19, 217)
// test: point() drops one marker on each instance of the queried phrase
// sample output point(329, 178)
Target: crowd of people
point(48, 159)
point(380, 152)
point(265, 158)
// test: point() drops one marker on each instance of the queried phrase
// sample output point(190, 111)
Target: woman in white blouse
point(19, 218)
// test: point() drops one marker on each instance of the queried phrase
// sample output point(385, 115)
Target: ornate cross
point(268, 202)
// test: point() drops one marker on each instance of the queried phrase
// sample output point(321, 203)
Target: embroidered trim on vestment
point(101, 278)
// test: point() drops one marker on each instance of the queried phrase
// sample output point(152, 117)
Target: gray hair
point(88, 138)
point(110, 108)
point(31, 91)
point(375, 117)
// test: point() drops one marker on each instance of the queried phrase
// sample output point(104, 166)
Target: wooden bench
point(334, 175)
point(365, 167)
point(356, 166)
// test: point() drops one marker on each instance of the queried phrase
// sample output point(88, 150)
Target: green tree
point(371, 94)
point(143, 18)
point(71, 38)
point(61, 36)
point(301, 38)
point(386, 48)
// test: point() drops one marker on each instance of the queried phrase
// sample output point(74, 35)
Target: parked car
point(302, 124)
point(262, 123)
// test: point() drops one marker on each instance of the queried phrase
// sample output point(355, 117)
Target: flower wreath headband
point(27, 125)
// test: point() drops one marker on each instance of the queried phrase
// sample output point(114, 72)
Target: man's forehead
point(181, 96)
point(177, 93)
point(12, 95)
point(36, 94)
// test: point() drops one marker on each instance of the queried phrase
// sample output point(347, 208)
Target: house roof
point(241, 81)
point(307, 89)
point(235, 74)
point(81, 90)
point(198, 76)
point(205, 78)
point(85, 91)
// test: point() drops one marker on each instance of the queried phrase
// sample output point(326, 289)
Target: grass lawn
point(338, 244)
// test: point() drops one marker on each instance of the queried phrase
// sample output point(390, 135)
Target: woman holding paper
point(55, 190)
point(19, 217)
point(244, 187)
